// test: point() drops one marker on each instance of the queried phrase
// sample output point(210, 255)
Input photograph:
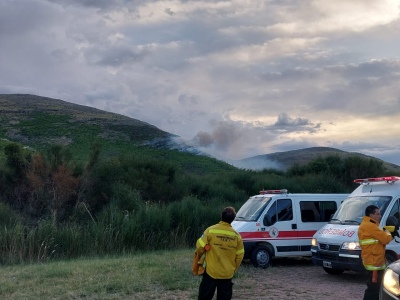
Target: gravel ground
point(297, 279)
point(286, 279)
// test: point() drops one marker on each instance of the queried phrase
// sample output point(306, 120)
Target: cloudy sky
point(236, 78)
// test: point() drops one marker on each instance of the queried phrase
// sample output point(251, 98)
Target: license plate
point(327, 264)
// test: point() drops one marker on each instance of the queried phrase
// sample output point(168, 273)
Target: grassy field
point(167, 275)
point(140, 276)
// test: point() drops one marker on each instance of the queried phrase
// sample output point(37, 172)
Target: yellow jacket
point(373, 241)
point(226, 250)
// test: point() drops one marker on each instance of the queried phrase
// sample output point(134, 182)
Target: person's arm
point(202, 242)
point(382, 236)
point(239, 254)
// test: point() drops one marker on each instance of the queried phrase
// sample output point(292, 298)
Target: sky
point(235, 78)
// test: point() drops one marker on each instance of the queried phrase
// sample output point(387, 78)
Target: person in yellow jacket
point(224, 251)
point(373, 241)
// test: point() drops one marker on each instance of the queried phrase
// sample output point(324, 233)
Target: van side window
point(317, 211)
point(281, 210)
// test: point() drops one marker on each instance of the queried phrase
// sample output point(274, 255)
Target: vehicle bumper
point(340, 260)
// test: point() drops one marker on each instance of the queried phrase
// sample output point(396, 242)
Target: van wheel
point(333, 271)
point(261, 257)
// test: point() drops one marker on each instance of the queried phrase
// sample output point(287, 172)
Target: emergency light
point(283, 191)
point(388, 179)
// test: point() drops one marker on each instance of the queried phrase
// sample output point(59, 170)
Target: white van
point(335, 246)
point(276, 223)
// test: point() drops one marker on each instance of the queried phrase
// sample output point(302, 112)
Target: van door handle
point(294, 226)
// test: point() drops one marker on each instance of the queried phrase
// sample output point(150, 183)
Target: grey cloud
point(185, 99)
point(20, 18)
point(285, 120)
point(169, 11)
point(99, 4)
point(298, 124)
point(115, 56)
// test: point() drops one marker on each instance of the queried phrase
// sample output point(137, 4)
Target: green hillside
point(40, 122)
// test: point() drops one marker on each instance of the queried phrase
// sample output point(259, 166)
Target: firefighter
point(224, 251)
point(373, 241)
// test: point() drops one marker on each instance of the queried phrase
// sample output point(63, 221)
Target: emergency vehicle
point(276, 223)
point(335, 246)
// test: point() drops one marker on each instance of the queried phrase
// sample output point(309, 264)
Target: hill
point(284, 160)
point(39, 122)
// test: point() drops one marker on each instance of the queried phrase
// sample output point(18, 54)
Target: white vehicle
point(335, 246)
point(276, 223)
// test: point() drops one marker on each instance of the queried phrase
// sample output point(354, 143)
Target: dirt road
point(287, 279)
point(296, 279)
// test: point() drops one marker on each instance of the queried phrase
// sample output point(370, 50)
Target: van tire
point(333, 271)
point(261, 257)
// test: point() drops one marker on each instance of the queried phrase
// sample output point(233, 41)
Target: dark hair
point(370, 209)
point(228, 214)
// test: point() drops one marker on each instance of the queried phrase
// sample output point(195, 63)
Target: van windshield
point(352, 210)
point(252, 209)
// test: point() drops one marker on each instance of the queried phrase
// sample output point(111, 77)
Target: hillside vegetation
point(96, 194)
point(286, 160)
point(40, 123)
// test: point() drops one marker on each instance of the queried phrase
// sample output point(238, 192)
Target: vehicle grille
point(329, 247)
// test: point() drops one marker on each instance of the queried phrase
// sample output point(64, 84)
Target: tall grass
point(151, 227)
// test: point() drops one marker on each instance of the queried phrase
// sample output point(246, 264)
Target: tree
point(52, 183)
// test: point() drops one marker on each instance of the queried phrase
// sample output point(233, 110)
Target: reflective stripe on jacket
point(372, 241)
point(226, 250)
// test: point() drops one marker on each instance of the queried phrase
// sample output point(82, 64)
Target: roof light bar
point(282, 191)
point(389, 179)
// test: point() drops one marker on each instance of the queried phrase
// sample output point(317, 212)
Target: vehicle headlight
point(351, 246)
point(314, 242)
point(391, 282)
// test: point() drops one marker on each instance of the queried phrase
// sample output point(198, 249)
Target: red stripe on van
point(301, 234)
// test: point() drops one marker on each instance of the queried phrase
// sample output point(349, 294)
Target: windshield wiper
point(336, 220)
point(240, 218)
point(351, 221)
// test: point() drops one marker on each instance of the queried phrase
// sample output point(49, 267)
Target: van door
point(280, 222)
point(313, 215)
point(395, 243)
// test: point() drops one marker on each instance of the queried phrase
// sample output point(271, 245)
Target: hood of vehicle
point(341, 232)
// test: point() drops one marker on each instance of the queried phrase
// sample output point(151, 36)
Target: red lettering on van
point(332, 231)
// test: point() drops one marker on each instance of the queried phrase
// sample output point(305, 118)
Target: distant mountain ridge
point(284, 160)
point(37, 122)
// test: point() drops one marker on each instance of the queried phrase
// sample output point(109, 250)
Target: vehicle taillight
point(389, 179)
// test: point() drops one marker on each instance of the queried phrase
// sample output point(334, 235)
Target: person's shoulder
point(213, 226)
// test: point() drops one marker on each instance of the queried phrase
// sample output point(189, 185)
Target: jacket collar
point(224, 223)
point(368, 219)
